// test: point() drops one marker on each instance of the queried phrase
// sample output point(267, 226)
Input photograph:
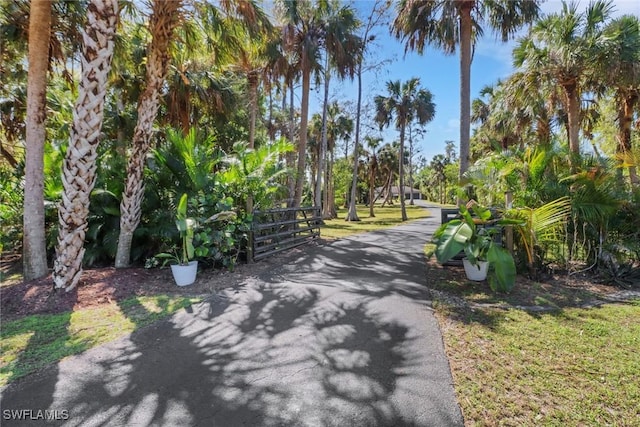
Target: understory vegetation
point(230, 133)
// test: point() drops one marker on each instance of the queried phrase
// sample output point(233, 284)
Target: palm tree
point(563, 47)
point(305, 32)
point(406, 102)
point(447, 24)
point(164, 19)
point(372, 144)
point(338, 128)
point(34, 243)
point(622, 71)
point(378, 10)
point(537, 100)
point(79, 166)
point(341, 50)
point(252, 61)
point(387, 164)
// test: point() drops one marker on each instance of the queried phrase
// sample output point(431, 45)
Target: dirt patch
point(107, 285)
point(99, 286)
point(552, 292)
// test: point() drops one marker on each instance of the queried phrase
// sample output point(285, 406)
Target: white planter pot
point(185, 274)
point(477, 273)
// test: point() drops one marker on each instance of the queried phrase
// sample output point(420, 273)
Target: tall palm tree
point(622, 73)
point(405, 103)
point(341, 50)
point(338, 127)
point(34, 252)
point(166, 15)
point(164, 19)
point(78, 175)
point(448, 24)
point(378, 10)
point(303, 34)
point(252, 61)
point(564, 47)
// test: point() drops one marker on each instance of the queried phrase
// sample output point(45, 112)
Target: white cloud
point(453, 124)
point(491, 47)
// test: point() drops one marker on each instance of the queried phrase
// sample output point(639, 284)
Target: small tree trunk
point(465, 85)
point(352, 215)
point(302, 146)
point(625, 118)
point(252, 82)
point(410, 167)
point(403, 208)
point(331, 185)
point(323, 144)
point(163, 21)
point(573, 117)
point(79, 167)
point(291, 177)
point(372, 187)
point(34, 251)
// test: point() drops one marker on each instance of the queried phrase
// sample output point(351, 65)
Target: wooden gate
point(277, 230)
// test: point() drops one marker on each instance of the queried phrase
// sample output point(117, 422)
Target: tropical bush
point(219, 187)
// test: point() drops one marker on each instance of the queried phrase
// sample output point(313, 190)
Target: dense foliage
point(228, 127)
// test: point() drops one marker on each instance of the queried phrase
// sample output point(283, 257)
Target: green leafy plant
point(475, 236)
point(185, 226)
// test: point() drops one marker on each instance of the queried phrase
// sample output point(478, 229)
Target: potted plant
point(474, 234)
point(184, 268)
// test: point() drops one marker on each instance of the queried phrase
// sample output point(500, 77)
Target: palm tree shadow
point(42, 333)
point(264, 355)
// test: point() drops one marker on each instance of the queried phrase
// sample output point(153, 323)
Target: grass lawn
point(568, 367)
point(30, 343)
point(385, 217)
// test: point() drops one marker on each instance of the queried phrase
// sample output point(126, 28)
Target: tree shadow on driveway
point(307, 344)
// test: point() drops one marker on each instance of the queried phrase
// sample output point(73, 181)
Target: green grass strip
point(388, 216)
point(31, 343)
point(568, 368)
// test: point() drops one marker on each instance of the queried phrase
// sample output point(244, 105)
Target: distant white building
point(417, 195)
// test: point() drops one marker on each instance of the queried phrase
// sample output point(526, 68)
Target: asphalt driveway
point(342, 336)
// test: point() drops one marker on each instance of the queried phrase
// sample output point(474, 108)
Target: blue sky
point(439, 74)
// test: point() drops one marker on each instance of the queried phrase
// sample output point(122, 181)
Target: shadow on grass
point(265, 356)
point(49, 342)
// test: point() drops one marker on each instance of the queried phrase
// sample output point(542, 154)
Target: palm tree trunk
point(403, 208)
point(410, 167)
point(34, 252)
point(291, 180)
point(387, 190)
point(352, 215)
point(323, 143)
point(302, 146)
point(372, 187)
point(79, 168)
point(573, 117)
point(162, 24)
point(333, 213)
point(465, 85)
point(252, 81)
point(272, 135)
point(625, 118)
point(325, 195)
point(371, 199)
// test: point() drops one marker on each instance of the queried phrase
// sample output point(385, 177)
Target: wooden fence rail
point(276, 230)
